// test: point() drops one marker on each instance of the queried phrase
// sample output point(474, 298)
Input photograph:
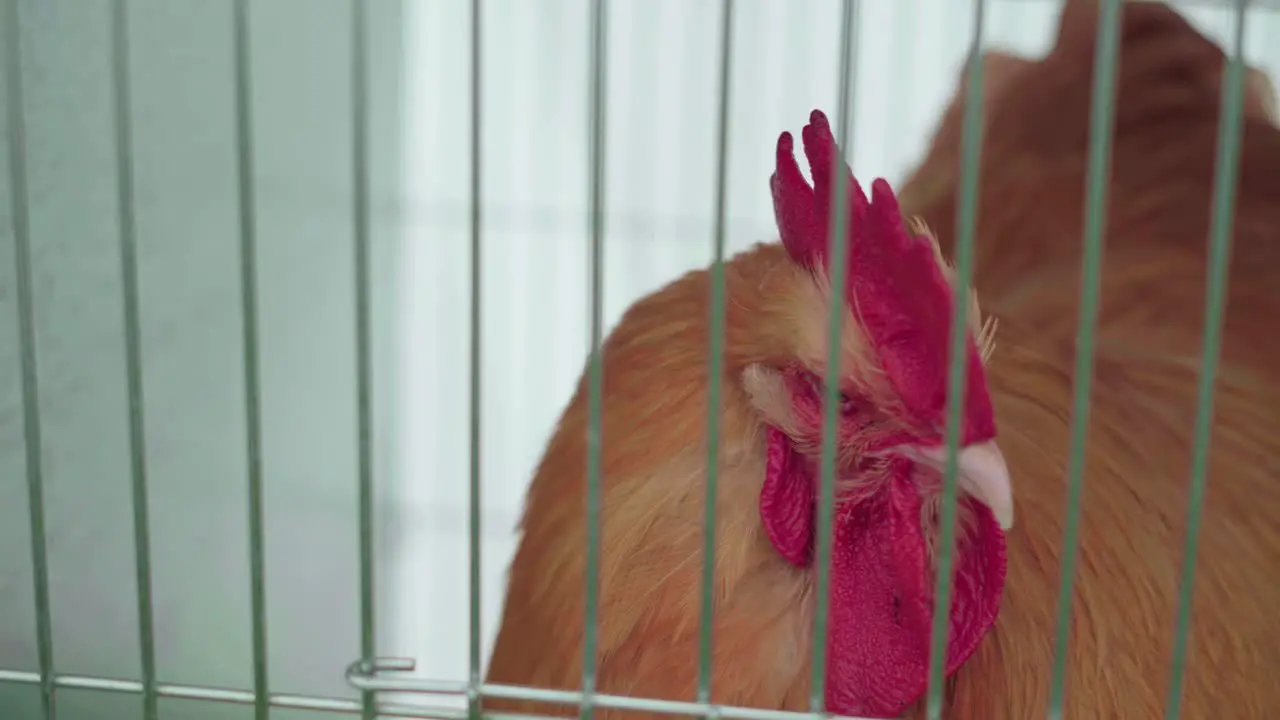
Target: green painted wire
point(970, 154)
point(595, 399)
point(838, 249)
point(1101, 120)
point(364, 343)
point(715, 333)
point(27, 343)
point(1227, 168)
point(475, 649)
point(252, 376)
point(133, 353)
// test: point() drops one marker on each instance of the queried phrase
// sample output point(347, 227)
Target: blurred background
point(662, 72)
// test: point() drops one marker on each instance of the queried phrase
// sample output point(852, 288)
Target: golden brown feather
point(1033, 172)
point(653, 431)
point(1132, 531)
point(1028, 256)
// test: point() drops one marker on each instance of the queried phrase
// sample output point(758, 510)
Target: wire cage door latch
point(363, 675)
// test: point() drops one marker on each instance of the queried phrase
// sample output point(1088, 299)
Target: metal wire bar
point(34, 454)
point(596, 383)
point(366, 676)
point(1220, 4)
point(1184, 4)
point(838, 242)
point(133, 351)
point(1226, 172)
point(1101, 121)
point(364, 343)
point(715, 332)
point(225, 695)
point(474, 650)
point(966, 217)
point(252, 379)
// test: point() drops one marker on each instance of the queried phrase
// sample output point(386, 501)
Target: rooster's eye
point(816, 389)
point(848, 405)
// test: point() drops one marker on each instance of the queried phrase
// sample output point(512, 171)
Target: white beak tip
point(1004, 516)
point(983, 475)
point(986, 477)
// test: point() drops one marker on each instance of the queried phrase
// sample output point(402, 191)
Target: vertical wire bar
point(133, 352)
point(252, 391)
point(716, 360)
point(596, 389)
point(966, 217)
point(477, 88)
point(27, 344)
point(364, 420)
point(838, 241)
point(1227, 168)
point(1101, 122)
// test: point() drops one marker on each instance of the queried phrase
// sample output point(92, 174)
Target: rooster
point(897, 309)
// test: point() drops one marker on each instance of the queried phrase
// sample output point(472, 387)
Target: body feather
point(655, 370)
point(1150, 328)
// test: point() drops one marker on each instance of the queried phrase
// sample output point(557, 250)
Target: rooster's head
point(897, 308)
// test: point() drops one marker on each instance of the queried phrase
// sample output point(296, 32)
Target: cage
point(265, 401)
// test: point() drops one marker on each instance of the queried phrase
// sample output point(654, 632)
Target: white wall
point(662, 94)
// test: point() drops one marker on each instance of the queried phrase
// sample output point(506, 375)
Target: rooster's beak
point(981, 472)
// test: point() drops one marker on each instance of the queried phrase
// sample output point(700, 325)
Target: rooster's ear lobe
point(767, 392)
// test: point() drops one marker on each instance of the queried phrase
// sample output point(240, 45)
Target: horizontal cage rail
point(230, 696)
point(364, 679)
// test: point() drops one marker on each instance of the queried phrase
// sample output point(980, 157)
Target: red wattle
point(881, 587)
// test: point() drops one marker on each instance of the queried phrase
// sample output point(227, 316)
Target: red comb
point(894, 284)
